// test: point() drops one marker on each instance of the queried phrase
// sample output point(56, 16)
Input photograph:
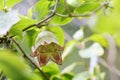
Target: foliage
point(43, 32)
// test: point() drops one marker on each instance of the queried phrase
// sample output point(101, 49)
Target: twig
point(84, 15)
point(61, 15)
point(73, 15)
point(29, 27)
point(51, 15)
point(2, 38)
point(28, 58)
point(68, 15)
point(100, 7)
point(45, 19)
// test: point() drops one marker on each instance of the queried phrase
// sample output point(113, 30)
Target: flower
point(48, 51)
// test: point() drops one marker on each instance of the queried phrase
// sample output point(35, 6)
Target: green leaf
point(23, 23)
point(87, 7)
point(31, 36)
point(65, 76)
point(13, 66)
point(58, 32)
point(7, 20)
point(57, 20)
point(94, 50)
point(100, 39)
point(56, 77)
point(51, 69)
point(9, 3)
point(82, 76)
point(41, 9)
point(24, 44)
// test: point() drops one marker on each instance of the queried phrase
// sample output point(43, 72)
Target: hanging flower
point(47, 48)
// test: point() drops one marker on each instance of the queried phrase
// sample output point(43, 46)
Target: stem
point(29, 27)
point(51, 15)
point(48, 18)
point(2, 38)
point(100, 7)
point(61, 15)
point(84, 15)
point(45, 19)
point(28, 58)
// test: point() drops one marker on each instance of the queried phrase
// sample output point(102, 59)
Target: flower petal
point(56, 57)
point(56, 46)
point(42, 59)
